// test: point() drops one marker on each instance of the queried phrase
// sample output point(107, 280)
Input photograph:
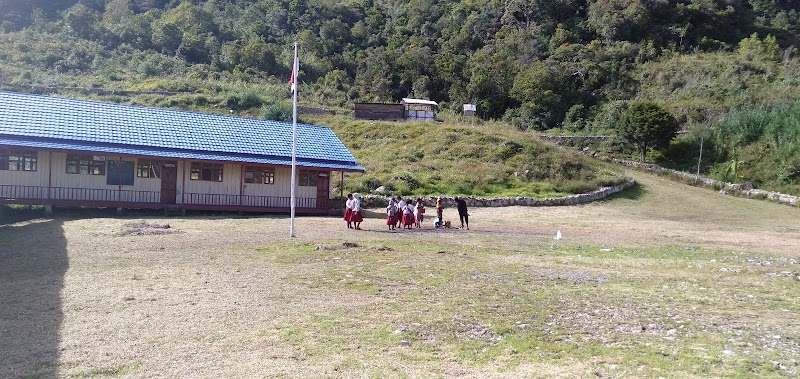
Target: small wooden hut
point(408, 109)
point(420, 110)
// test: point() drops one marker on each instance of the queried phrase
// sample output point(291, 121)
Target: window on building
point(18, 160)
point(259, 175)
point(308, 178)
point(120, 173)
point(148, 168)
point(86, 164)
point(211, 172)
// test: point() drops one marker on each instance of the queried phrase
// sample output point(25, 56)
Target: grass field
point(486, 160)
point(664, 280)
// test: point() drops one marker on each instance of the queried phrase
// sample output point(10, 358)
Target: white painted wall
point(282, 186)
point(93, 187)
point(36, 178)
point(231, 176)
point(28, 178)
point(198, 191)
point(64, 184)
point(281, 189)
point(62, 179)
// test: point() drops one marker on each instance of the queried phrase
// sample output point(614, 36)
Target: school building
point(65, 152)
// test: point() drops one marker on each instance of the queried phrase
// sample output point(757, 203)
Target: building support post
point(119, 187)
point(49, 175)
point(48, 209)
point(182, 165)
point(241, 185)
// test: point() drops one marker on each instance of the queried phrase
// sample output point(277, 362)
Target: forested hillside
point(538, 64)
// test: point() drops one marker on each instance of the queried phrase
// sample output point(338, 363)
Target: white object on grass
point(558, 235)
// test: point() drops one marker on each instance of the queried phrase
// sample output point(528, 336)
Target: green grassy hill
point(490, 159)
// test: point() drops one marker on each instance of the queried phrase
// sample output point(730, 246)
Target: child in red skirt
point(357, 217)
point(391, 214)
point(401, 206)
point(408, 215)
point(348, 210)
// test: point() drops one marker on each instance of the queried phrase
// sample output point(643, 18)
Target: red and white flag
point(295, 69)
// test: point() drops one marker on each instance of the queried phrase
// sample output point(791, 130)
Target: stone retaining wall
point(725, 188)
point(378, 201)
point(558, 140)
point(45, 90)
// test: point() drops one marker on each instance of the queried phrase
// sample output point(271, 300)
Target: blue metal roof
point(176, 154)
point(68, 124)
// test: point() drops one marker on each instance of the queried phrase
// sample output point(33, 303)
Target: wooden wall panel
point(231, 177)
point(36, 178)
point(65, 186)
point(375, 111)
point(62, 179)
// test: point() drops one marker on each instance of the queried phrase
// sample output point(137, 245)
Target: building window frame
point(207, 172)
point(307, 178)
point(86, 164)
point(259, 175)
point(19, 160)
point(148, 168)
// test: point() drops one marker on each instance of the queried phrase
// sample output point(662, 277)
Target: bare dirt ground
point(123, 297)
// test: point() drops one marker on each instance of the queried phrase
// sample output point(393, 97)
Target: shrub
point(609, 115)
point(155, 64)
point(760, 144)
point(278, 110)
point(244, 100)
point(575, 119)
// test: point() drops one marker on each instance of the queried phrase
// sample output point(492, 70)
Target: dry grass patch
point(639, 286)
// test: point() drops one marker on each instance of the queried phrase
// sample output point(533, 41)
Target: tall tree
point(647, 125)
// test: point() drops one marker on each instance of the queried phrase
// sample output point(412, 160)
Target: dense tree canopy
point(539, 64)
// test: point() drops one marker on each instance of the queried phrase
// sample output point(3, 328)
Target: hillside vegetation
point(563, 66)
point(540, 64)
point(487, 160)
point(761, 145)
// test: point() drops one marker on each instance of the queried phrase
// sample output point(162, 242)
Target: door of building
point(169, 182)
point(323, 190)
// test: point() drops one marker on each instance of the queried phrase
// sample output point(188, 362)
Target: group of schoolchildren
point(398, 213)
point(401, 213)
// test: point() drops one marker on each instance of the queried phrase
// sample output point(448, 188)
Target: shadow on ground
point(634, 192)
point(33, 261)
point(374, 214)
point(10, 214)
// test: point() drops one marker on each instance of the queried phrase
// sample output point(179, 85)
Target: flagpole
point(295, 69)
